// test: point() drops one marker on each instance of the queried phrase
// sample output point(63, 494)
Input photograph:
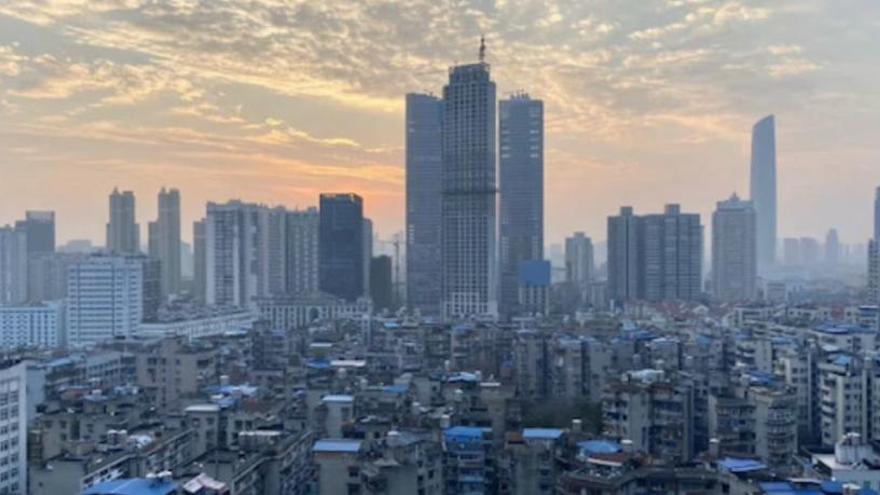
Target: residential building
point(108, 297)
point(164, 242)
point(579, 263)
point(35, 325)
point(123, 232)
point(39, 228)
point(381, 290)
point(13, 266)
point(734, 251)
point(200, 262)
point(302, 251)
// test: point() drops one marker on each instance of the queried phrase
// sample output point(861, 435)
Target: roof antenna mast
point(482, 48)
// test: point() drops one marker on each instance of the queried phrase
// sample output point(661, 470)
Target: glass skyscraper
point(341, 246)
point(521, 171)
point(763, 189)
point(424, 172)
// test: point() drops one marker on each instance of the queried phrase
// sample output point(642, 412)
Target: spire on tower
point(482, 48)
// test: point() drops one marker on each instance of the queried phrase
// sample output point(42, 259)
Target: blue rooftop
point(395, 389)
point(808, 488)
point(741, 465)
point(592, 447)
point(337, 445)
point(133, 486)
point(541, 433)
point(842, 328)
point(464, 432)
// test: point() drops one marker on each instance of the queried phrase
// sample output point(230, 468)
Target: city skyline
point(638, 101)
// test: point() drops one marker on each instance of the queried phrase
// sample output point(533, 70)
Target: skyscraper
point(341, 246)
point(673, 255)
point(470, 272)
point(832, 248)
point(238, 253)
point(302, 251)
point(368, 253)
point(200, 266)
point(13, 265)
point(579, 262)
point(164, 241)
point(763, 189)
point(655, 257)
point(734, 250)
point(380, 282)
point(424, 171)
point(123, 233)
point(877, 215)
point(624, 281)
point(521, 170)
point(39, 227)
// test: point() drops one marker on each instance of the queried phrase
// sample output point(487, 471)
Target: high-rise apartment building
point(655, 257)
point(381, 289)
point(200, 265)
point(164, 240)
point(108, 296)
point(39, 227)
point(763, 189)
point(579, 262)
point(734, 250)
point(469, 190)
point(521, 174)
point(302, 251)
point(832, 248)
point(14, 422)
point(368, 253)
point(123, 232)
point(424, 171)
point(341, 246)
point(624, 280)
point(13, 265)
point(877, 214)
point(244, 248)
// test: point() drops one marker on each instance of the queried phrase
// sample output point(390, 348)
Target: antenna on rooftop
point(482, 48)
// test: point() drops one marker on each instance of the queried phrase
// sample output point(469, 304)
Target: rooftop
point(337, 445)
point(133, 486)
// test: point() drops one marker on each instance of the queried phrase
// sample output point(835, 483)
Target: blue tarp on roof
point(337, 445)
point(134, 486)
point(395, 389)
point(541, 433)
point(741, 465)
point(592, 447)
point(464, 432)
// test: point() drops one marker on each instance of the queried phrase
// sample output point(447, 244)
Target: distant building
point(13, 421)
point(655, 257)
point(367, 253)
point(424, 168)
point(302, 251)
point(832, 248)
point(579, 262)
point(123, 232)
point(763, 189)
point(164, 242)
point(521, 174)
point(470, 192)
point(341, 246)
point(877, 215)
point(244, 253)
point(35, 325)
point(734, 250)
point(39, 227)
point(108, 297)
point(533, 287)
point(200, 262)
point(381, 289)
point(13, 265)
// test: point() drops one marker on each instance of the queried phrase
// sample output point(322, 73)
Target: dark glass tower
point(341, 246)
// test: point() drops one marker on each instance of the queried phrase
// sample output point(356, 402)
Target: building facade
point(424, 169)
point(302, 251)
point(521, 174)
point(123, 232)
point(164, 242)
point(469, 190)
point(13, 265)
point(763, 189)
point(341, 246)
point(734, 250)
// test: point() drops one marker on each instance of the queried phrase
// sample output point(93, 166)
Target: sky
point(647, 102)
